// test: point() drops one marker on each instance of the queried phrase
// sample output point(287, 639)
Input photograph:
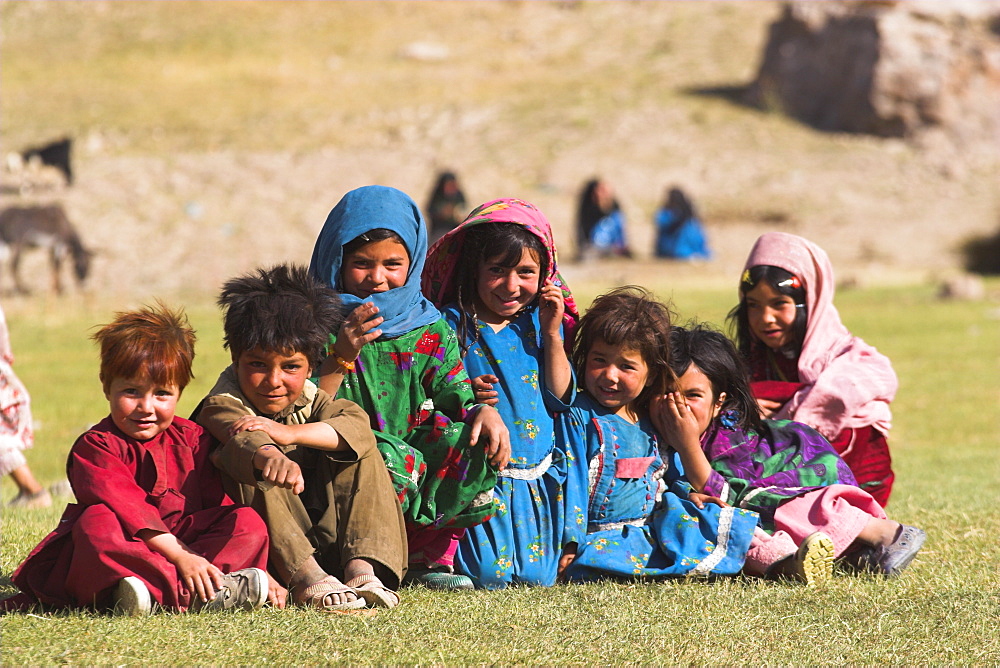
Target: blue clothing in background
point(608, 235)
point(682, 240)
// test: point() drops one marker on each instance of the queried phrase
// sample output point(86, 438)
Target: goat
point(26, 227)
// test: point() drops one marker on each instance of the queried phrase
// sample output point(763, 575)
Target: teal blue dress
point(636, 520)
point(522, 542)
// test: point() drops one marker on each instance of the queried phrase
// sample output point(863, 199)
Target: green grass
point(944, 610)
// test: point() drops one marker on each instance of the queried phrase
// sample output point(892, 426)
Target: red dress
point(123, 486)
point(864, 449)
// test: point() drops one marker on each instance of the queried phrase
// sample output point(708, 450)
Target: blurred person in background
point(446, 206)
point(600, 223)
point(679, 233)
point(16, 433)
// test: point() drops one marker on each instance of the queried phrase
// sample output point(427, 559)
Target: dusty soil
point(179, 223)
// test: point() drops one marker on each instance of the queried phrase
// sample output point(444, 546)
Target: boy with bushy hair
point(305, 461)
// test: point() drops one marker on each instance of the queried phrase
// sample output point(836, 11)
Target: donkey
point(26, 227)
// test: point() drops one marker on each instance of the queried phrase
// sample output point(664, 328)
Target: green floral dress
point(417, 394)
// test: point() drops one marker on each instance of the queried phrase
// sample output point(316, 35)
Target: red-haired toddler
point(151, 523)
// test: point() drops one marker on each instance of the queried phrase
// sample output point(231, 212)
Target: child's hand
point(699, 499)
point(551, 308)
point(278, 432)
point(488, 424)
point(278, 469)
point(358, 329)
point(483, 387)
point(675, 421)
point(276, 594)
point(768, 407)
point(198, 575)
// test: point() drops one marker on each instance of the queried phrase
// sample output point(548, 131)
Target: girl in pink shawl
point(805, 365)
point(494, 277)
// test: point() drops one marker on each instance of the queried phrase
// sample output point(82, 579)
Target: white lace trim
point(594, 527)
point(533, 473)
point(721, 547)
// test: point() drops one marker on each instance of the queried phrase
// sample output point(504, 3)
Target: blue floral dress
point(522, 543)
point(638, 520)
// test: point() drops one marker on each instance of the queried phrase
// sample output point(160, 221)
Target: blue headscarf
point(362, 210)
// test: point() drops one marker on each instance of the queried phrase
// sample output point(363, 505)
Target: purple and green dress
point(760, 470)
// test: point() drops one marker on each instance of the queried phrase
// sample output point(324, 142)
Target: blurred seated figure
point(679, 233)
point(600, 223)
point(446, 207)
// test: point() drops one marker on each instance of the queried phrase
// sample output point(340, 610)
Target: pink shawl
point(442, 259)
point(848, 384)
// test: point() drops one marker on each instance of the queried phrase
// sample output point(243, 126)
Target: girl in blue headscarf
point(399, 360)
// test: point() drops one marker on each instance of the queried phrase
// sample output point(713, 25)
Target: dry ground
point(185, 177)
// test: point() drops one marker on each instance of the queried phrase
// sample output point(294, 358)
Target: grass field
point(944, 610)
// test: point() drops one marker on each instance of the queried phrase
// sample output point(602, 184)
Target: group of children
point(445, 416)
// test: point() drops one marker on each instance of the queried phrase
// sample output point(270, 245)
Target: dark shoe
point(892, 560)
point(244, 589)
point(132, 598)
point(862, 558)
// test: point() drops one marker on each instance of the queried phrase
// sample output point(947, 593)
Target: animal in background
point(26, 227)
point(56, 154)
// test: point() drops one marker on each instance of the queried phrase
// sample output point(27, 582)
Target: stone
point(890, 69)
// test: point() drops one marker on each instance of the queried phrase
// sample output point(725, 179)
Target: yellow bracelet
point(347, 367)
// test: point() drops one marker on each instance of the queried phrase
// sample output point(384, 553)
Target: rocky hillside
point(212, 137)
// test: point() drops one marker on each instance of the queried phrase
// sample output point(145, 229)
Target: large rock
point(886, 68)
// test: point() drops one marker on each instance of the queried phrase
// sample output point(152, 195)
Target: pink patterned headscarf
point(439, 282)
point(849, 384)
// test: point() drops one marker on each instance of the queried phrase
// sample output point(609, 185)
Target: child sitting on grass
point(399, 359)
point(305, 461)
point(811, 508)
point(804, 363)
point(152, 523)
point(638, 515)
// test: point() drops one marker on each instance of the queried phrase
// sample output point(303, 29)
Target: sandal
point(374, 593)
point(315, 595)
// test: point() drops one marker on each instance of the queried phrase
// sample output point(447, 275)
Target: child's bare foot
point(374, 593)
point(879, 532)
point(328, 594)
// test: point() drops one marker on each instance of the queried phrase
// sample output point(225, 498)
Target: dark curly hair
point(631, 317)
point(279, 309)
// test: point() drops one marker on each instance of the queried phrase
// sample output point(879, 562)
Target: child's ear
point(718, 404)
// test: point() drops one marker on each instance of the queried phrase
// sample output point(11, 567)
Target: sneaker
point(132, 598)
point(244, 589)
point(811, 564)
point(440, 580)
point(40, 499)
point(61, 489)
point(814, 559)
point(892, 560)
